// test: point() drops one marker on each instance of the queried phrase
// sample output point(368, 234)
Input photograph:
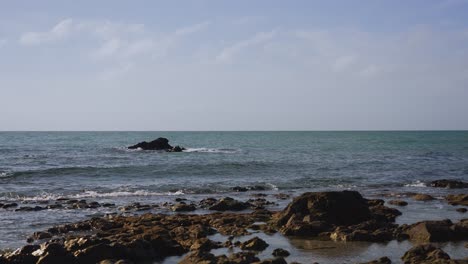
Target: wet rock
point(182, 207)
point(240, 189)
point(461, 210)
point(437, 231)
point(204, 244)
point(457, 199)
point(229, 204)
point(422, 197)
point(279, 252)
point(207, 202)
point(260, 202)
point(255, 244)
point(398, 203)
point(451, 184)
point(425, 254)
point(382, 260)
point(157, 144)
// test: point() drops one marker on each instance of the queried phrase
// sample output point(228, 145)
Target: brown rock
point(425, 254)
point(279, 252)
point(437, 231)
point(461, 210)
point(182, 207)
point(398, 203)
point(457, 199)
point(229, 204)
point(255, 244)
point(422, 197)
point(382, 260)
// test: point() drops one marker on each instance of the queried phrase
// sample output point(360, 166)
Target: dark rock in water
point(382, 260)
point(462, 210)
point(255, 244)
point(427, 253)
point(437, 231)
point(451, 184)
point(457, 199)
point(422, 197)
point(157, 144)
point(9, 205)
point(55, 253)
point(398, 202)
point(279, 252)
point(229, 204)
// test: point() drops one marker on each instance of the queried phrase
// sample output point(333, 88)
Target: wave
point(211, 150)
point(417, 183)
point(93, 194)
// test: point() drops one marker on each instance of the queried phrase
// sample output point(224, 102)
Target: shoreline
point(259, 222)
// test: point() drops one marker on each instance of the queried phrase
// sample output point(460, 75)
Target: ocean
point(38, 167)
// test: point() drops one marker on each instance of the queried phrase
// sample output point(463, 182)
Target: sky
point(234, 65)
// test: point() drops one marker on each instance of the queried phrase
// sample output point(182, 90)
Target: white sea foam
point(416, 184)
point(93, 194)
point(211, 150)
point(4, 174)
point(273, 187)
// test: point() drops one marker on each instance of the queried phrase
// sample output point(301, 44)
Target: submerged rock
point(457, 199)
point(451, 184)
point(422, 197)
point(398, 202)
point(279, 252)
point(157, 144)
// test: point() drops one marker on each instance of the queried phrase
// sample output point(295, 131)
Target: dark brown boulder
point(398, 202)
point(279, 252)
point(337, 208)
point(451, 184)
point(422, 197)
point(457, 199)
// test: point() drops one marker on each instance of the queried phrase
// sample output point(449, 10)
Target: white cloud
point(228, 53)
point(59, 31)
point(108, 48)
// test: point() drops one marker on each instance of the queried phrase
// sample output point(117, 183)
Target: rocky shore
point(198, 238)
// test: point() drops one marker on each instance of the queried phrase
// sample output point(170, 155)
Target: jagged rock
point(255, 244)
point(313, 213)
point(425, 254)
point(451, 184)
point(157, 144)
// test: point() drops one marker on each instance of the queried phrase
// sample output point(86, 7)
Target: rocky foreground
point(337, 216)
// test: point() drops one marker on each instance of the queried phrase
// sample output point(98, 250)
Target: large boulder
point(344, 215)
point(457, 199)
point(451, 184)
point(157, 144)
point(337, 208)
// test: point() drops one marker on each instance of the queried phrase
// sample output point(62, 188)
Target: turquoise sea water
point(40, 166)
